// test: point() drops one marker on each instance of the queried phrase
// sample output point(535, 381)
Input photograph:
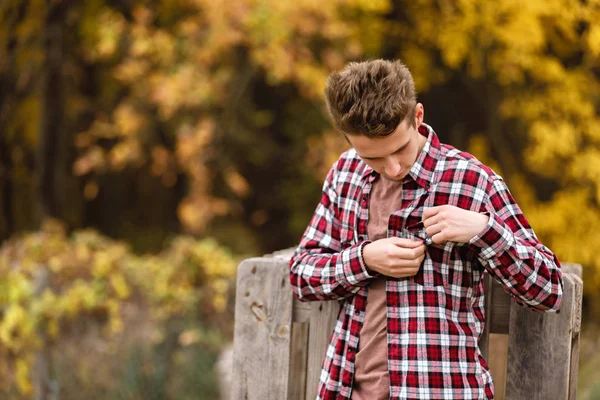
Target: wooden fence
point(280, 343)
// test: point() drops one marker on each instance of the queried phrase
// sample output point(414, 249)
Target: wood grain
point(322, 322)
point(539, 350)
point(262, 333)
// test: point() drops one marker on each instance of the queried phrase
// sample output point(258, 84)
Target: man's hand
point(453, 224)
point(394, 256)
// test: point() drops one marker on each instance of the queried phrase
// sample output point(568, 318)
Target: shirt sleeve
point(320, 268)
point(513, 255)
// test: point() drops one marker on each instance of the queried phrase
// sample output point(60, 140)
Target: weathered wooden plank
point(322, 322)
point(302, 311)
point(500, 309)
point(298, 360)
point(262, 332)
point(484, 340)
point(497, 362)
point(539, 351)
point(574, 269)
point(574, 365)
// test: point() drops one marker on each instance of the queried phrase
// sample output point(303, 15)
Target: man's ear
point(419, 114)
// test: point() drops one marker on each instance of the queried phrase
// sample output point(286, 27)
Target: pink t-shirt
point(371, 376)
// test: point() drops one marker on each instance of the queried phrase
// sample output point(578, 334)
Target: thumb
point(404, 242)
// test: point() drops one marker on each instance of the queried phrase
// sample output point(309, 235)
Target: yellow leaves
point(551, 142)
point(373, 6)
point(102, 264)
point(236, 182)
point(323, 151)
point(196, 211)
point(102, 32)
point(592, 40)
point(547, 69)
point(422, 64)
point(569, 208)
point(124, 153)
point(115, 323)
point(127, 120)
point(23, 376)
point(163, 165)
point(19, 287)
point(454, 47)
point(108, 31)
point(480, 148)
point(17, 336)
point(131, 70)
point(189, 337)
point(14, 319)
point(522, 28)
point(79, 298)
point(187, 86)
point(120, 286)
point(93, 160)
point(586, 167)
point(192, 143)
point(312, 79)
point(219, 299)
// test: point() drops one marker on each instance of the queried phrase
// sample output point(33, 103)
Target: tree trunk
point(51, 118)
point(51, 135)
point(6, 226)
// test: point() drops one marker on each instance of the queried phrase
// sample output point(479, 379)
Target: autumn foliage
point(145, 120)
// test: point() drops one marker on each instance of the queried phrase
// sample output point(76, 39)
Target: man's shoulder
point(454, 162)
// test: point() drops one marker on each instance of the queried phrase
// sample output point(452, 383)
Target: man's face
point(394, 155)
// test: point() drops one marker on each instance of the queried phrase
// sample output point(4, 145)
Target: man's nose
point(392, 166)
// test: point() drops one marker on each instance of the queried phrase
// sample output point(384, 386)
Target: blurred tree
point(206, 117)
point(152, 118)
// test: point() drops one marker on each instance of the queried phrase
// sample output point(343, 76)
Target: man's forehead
point(380, 147)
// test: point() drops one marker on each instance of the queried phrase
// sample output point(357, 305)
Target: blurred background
point(148, 146)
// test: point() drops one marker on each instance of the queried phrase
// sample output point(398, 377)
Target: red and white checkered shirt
point(435, 318)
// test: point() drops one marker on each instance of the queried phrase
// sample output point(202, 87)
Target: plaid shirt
point(435, 318)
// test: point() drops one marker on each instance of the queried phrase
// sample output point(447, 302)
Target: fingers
point(434, 229)
point(429, 212)
point(406, 253)
point(439, 238)
point(405, 268)
point(404, 242)
point(432, 220)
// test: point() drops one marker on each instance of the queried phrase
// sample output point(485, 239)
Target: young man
point(404, 230)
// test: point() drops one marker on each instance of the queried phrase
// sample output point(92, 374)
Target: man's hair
point(371, 98)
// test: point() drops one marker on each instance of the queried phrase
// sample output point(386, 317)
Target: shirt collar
point(422, 171)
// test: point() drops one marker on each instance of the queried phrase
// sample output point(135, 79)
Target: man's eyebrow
point(397, 150)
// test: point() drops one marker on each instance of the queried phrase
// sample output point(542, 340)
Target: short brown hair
point(371, 98)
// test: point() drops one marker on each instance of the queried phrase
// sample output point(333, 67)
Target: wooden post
point(322, 321)
point(280, 342)
point(540, 350)
point(262, 333)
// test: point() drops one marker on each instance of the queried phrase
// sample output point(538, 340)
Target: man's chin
point(395, 178)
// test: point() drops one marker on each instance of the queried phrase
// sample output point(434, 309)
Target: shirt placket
point(362, 218)
point(363, 208)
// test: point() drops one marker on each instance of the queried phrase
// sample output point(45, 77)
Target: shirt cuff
point(493, 239)
point(355, 268)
